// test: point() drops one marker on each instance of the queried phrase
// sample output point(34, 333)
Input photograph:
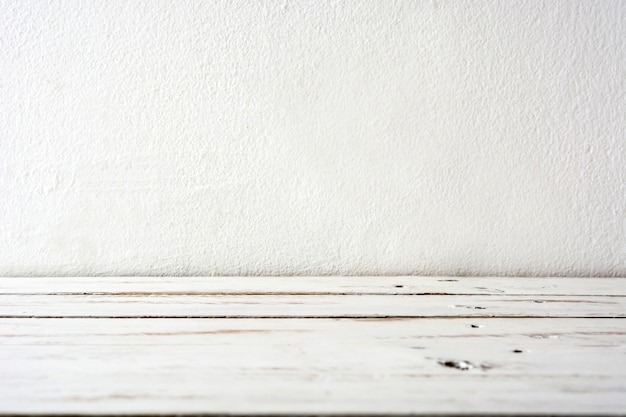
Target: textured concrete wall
point(313, 137)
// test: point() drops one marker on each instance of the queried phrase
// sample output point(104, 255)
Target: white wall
point(313, 137)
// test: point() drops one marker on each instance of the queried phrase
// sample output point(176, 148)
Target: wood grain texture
point(287, 306)
point(460, 361)
point(311, 366)
point(316, 285)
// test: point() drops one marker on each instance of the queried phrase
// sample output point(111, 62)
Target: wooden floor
point(313, 346)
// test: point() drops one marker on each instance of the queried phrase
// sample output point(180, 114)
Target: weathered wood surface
point(529, 364)
point(311, 366)
point(286, 306)
point(316, 285)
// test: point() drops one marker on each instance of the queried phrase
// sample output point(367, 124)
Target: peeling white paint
point(313, 137)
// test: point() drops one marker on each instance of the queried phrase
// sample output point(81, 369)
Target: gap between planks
point(269, 293)
point(323, 414)
point(321, 317)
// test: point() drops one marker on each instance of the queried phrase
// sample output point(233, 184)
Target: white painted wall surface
point(313, 137)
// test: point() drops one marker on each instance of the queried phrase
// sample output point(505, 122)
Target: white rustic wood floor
point(313, 346)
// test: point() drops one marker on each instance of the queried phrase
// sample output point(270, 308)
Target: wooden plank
point(296, 366)
point(316, 285)
point(234, 306)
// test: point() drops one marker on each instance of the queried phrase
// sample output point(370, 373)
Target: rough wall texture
point(313, 137)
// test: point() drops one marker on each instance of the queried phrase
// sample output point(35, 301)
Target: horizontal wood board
point(316, 285)
point(302, 306)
